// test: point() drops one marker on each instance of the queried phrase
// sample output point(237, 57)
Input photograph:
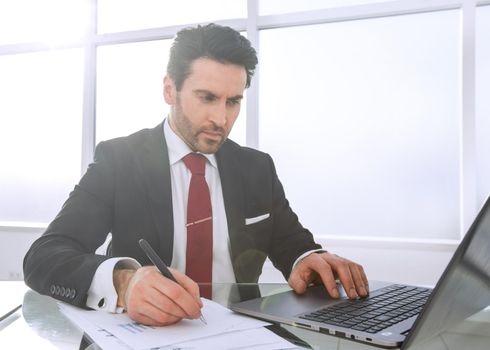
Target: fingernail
point(335, 292)
point(353, 293)
point(363, 291)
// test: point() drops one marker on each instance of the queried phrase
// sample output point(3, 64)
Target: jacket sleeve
point(62, 262)
point(289, 238)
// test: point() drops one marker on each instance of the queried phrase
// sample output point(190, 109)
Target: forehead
point(219, 78)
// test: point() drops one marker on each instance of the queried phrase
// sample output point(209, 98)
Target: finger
point(345, 278)
point(149, 315)
point(326, 274)
point(162, 302)
point(298, 280)
point(364, 278)
point(355, 271)
point(161, 318)
point(189, 285)
point(179, 297)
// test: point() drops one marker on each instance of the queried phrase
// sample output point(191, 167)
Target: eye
point(233, 102)
point(208, 98)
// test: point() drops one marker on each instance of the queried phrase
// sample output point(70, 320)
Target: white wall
point(14, 243)
point(401, 262)
point(414, 263)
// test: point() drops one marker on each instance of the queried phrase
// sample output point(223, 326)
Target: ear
point(169, 90)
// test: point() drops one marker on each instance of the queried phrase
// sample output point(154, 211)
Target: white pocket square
point(250, 221)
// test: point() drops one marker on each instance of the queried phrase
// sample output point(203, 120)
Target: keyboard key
point(360, 327)
point(383, 318)
point(358, 312)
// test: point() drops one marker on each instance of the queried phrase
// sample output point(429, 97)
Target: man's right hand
point(152, 299)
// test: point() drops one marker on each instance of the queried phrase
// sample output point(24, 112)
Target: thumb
point(297, 283)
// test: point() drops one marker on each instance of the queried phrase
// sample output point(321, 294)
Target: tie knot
point(195, 163)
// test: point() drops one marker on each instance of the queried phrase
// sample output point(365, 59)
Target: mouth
point(212, 134)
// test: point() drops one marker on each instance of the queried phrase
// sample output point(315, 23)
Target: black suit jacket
point(127, 192)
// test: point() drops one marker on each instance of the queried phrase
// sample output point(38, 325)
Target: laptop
point(393, 315)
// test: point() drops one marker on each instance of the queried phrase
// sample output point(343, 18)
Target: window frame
point(253, 24)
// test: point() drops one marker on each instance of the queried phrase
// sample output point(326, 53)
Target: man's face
point(205, 109)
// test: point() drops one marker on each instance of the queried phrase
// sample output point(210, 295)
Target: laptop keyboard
point(386, 307)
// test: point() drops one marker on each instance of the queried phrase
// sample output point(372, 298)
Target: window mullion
point(252, 126)
point(89, 89)
point(468, 190)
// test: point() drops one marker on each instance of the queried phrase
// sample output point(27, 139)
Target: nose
point(219, 115)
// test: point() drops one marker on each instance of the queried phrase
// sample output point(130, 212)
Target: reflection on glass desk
point(40, 325)
point(12, 294)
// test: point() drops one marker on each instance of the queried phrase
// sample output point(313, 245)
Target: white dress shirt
point(181, 177)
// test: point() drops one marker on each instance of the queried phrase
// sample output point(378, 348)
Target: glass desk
point(39, 324)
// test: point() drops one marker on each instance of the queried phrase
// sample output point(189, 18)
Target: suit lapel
point(155, 170)
point(233, 196)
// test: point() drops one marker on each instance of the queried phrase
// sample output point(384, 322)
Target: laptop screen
point(464, 287)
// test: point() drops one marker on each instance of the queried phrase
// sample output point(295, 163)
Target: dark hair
point(219, 43)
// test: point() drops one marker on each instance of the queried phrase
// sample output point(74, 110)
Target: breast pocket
point(259, 230)
point(256, 219)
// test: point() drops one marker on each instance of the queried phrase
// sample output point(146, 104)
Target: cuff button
point(101, 303)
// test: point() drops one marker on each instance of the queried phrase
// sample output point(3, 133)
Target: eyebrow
point(203, 91)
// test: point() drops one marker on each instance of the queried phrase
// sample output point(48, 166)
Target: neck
point(174, 128)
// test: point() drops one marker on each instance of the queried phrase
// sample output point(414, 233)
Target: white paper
point(140, 337)
point(101, 337)
point(258, 338)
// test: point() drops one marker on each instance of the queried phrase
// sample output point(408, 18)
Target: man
point(140, 187)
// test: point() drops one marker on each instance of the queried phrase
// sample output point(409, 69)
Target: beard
point(205, 139)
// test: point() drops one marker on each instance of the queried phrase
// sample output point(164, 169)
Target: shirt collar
point(177, 148)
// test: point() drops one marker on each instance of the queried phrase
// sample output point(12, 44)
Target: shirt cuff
point(102, 295)
point(304, 255)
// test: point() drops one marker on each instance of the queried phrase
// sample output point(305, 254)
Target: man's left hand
point(325, 268)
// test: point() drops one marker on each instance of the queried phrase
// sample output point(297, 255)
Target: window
point(40, 138)
point(365, 134)
point(130, 87)
point(273, 7)
point(122, 15)
point(33, 20)
point(381, 95)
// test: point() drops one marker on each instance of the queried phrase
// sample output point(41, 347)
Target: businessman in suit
point(139, 186)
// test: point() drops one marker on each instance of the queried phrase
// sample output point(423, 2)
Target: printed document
point(225, 330)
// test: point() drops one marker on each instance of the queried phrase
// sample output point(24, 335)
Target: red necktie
point(199, 255)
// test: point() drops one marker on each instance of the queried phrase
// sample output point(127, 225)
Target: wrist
point(121, 278)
